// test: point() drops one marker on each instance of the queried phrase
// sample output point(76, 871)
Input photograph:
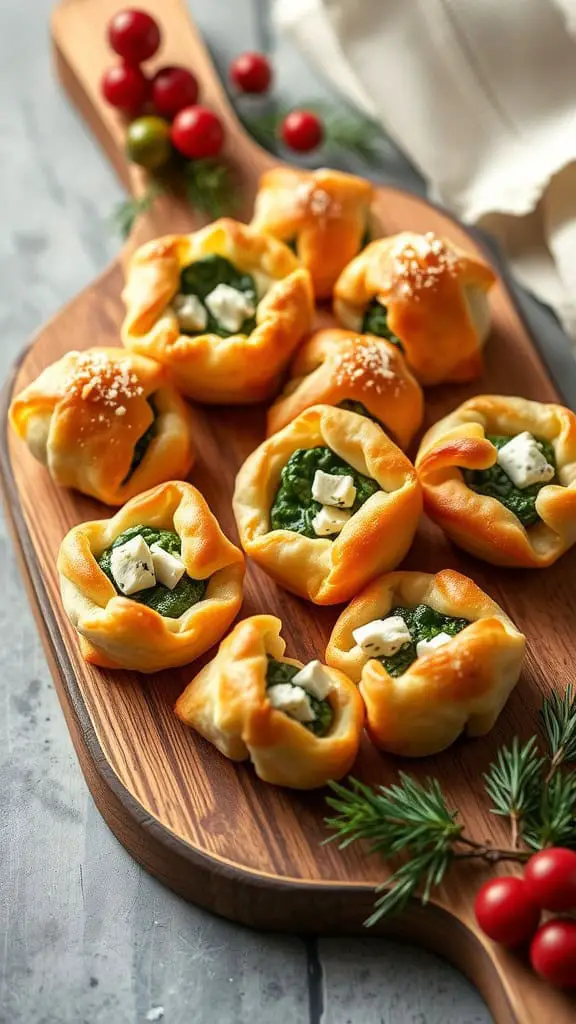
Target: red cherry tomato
point(551, 879)
point(553, 952)
point(134, 35)
point(197, 133)
point(302, 131)
point(505, 912)
point(251, 72)
point(172, 90)
point(124, 87)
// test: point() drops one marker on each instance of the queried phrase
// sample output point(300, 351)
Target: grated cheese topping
point(311, 198)
point(99, 379)
point(423, 263)
point(366, 364)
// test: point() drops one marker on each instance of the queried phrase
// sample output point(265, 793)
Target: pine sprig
point(349, 131)
point(209, 187)
point(127, 212)
point(412, 821)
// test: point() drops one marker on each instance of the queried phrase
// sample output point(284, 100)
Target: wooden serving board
point(206, 827)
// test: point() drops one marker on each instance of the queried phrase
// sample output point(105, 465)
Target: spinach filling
point(142, 444)
point(375, 321)
point(203, 276)
point(351, 405)
point(495, 483)
point(424, 623)
point(279, 672)
point(294, 507)
point(170, 603)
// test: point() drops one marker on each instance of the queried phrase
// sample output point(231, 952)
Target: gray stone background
point(85, 936)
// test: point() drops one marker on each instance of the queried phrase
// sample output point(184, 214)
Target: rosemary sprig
point(412, 821)
point(209, 187)
point(127, 212)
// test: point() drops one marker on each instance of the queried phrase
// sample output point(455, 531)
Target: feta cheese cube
point(329, 521)
point(230, 307)
point(382, 637)
point(168, 568)
point(190, 312)
point(314, 679)
point(524, 462)
point(331, 489)
point(132, 566)
point(425, 646)
point(293, 700)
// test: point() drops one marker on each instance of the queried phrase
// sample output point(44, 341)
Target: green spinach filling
point(351, 405)
point(203, 276)
point(375, 321)
point(424, 623)
point(279, 672)
point(495, 483)
point(170, 603)
point(294, 508)
point(143, 442)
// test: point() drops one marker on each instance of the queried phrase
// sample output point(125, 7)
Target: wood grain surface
point(206, 827)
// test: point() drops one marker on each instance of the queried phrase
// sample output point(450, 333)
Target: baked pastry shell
point(459, 687)
point(85, 445)
point(116, 632)
point(376, 538)
point(334, 366)
point(242, 368)
point(227, 703)
point(480, 524)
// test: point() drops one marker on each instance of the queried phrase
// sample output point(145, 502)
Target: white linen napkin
point(481, 95)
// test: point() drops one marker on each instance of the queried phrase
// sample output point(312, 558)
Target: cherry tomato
point(553, 952)
point(505, 911)
point(124, 87)
point(197, 133)
point(302, 131)
point(134, 35)
point(251, 72)
point(172, 90)
point(551, 879)
point(148, 142)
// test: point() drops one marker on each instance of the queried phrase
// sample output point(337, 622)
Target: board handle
point(82, 53)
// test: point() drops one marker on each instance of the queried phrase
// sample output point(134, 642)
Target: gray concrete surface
point(85, 936)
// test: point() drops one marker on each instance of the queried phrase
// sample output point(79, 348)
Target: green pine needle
point(553, 821)
point(127, 212)
point(512, 780)
point(558, 718)
point(209, 187)
point(349, 131)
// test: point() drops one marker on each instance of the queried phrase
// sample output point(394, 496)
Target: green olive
point(148, 142)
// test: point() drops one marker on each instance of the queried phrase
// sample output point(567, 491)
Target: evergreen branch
point(209, 187)
point(512, 783)
point(558, 719)
point(126, 213)
point(553, 820)
point(352, 132)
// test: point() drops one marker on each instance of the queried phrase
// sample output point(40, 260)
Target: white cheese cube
point(523, 460)
point(329, 521)
point(425, 646)
point(314, 679)
point(190, 312)
point(132, 566)
point(331, 489)
point(168, 568)
point(293, 700)
point(230, 307)
point(382, 637)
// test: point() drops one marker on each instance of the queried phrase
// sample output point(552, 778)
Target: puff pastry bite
point(223, 308)
point(426, 293)
point(323, 214)
point(499, 477)
point(299, 725)
point(107, 422)
point(154, 586)
point(434, 656)
point(326, 504)
point(362, 373)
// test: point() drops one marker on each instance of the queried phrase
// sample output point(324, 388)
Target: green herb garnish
point(170, 603)
point(495, 483)
point(294, 507)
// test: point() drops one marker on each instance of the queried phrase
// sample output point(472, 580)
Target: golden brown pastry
point(299, 728)
point(499, 477)
point(223, 308)
point(107, 422)
point(326, 504)
point(324, 214)
point(154, 586)
point(427, 293)
point(362, 373)
point(434, 656)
